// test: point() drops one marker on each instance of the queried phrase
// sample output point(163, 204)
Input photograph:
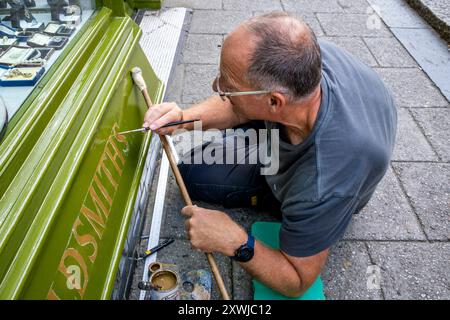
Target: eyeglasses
point(223, 94)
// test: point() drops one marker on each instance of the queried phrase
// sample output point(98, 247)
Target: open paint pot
point(164, 283)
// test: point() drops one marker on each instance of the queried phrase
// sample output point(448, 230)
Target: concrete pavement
point(404, 232)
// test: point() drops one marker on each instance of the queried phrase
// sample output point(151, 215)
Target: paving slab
point(356, 47)
point(411, 87)
point(187, 259)
point(175, 89)
point(254, 5)
point(198, 82)
point(413, 270)
point(345, 273)
point(410, 205)
point(242, 283)
point(355, 6)
point(409, 134)
point(387, 216)
point(389, 52)
point(428, 187)
point(436, 125)
point(352, 25)
point(301, 6)
point(172, 225)
point(217, 22)
point(202, 49)
point(397, 14)
point(194, 4)
point(312, 21)
point(431, 52)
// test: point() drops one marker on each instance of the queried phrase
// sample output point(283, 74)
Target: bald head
point(287, 25)
point(237, 52)
point(276, 52)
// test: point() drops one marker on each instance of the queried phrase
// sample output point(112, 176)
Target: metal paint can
point(165, 283)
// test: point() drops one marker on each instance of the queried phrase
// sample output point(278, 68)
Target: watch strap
point(251, 241)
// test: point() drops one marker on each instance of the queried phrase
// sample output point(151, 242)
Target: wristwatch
point(245, 252)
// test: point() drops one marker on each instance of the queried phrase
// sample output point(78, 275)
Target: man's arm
point(291, 276)
point(215, 231)
point(213, 112)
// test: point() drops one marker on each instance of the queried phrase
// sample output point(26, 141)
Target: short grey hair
point(284, 59)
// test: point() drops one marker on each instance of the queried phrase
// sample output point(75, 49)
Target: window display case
point(40, 24)
point(69, 183)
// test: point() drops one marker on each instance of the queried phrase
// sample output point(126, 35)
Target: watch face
point(244, 254)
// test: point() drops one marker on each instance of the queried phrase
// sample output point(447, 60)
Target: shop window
point(33, 34)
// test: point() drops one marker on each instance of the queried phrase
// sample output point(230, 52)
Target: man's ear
point(276, 101)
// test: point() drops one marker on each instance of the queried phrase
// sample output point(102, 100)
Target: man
point(337, 123)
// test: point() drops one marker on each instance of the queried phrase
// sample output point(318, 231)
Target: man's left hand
point(213, 230)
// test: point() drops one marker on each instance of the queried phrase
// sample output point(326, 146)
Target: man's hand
point(213, 231)
point(161, 114)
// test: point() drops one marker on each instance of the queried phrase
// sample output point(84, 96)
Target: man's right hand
point(161, 114)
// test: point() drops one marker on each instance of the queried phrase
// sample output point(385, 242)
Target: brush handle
point(176, 123)
point(138, 79)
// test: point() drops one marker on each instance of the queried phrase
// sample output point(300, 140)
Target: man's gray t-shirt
point(333, 173)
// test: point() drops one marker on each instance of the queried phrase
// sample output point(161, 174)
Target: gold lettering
point(94, 219)
point(84, 240)
point(51, 295)
point(71, 252)
point(119, 137)
point(103, 190)
point(98, 202)
point(102, 165)
point(97, 217)
point(113, 157)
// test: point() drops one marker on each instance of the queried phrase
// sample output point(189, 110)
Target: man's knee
point(228, 185)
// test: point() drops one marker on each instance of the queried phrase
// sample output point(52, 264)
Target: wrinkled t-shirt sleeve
point(310, 227)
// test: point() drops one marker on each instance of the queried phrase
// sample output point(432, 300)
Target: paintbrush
point(170, 124)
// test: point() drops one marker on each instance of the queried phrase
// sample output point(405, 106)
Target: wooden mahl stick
point(139, 81)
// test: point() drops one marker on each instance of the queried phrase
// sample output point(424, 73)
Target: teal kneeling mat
point(267, 233)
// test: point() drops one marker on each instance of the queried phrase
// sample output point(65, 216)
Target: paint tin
point(165, 283)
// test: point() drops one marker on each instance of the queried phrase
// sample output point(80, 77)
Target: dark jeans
point(230, 185)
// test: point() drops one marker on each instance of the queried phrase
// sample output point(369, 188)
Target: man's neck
point(299, 119)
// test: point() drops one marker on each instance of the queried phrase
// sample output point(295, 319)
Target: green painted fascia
point(129, 10)
point(157, 95)
point(142, 4)
point(120, 8)
point(50, 153)
point(27, 125)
